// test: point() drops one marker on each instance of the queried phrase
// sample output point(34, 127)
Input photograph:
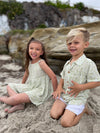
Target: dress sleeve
point(93, 75)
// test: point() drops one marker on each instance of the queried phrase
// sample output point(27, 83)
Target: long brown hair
point(28, 58)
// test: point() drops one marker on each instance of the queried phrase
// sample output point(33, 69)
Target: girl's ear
point(86, 44)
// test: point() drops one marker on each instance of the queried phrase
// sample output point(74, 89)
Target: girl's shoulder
point(42, 63)
point(41, 60)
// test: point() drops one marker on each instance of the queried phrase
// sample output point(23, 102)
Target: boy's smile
point(76, 46)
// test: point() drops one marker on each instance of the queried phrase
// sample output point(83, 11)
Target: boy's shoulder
point(89, 60)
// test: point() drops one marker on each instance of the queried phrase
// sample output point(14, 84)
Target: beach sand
point(37, 119)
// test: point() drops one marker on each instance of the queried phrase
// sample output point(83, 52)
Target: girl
point(38, 82)
point(78, 76)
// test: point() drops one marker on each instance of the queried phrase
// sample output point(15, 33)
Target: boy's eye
point(76, 42)
point(69, 44)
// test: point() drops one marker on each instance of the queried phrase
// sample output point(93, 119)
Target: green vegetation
point(58, 4)
point(79, 6)
point(13, 32)
point(42, 26)
point(11, 9)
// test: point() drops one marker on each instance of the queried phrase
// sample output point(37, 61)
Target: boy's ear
point(86, 44)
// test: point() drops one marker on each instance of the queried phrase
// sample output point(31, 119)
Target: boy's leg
point(57, 109)
point(70, 119)
point(16, 99)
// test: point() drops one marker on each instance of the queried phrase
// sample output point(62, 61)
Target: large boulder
point(54, 40)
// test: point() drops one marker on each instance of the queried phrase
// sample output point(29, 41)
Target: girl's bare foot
point(15, 108)
point(2, 99)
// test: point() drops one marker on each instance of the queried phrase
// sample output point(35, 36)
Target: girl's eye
point(31, 48)
point(37, 49)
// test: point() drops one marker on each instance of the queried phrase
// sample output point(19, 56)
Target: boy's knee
point(54, 115)
point(66, 123)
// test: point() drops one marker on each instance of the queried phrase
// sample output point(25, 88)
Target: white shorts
point(77, 109)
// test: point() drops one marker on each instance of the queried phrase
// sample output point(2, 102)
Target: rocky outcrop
point(40, 14)
point(54, 40)
point(49, 16)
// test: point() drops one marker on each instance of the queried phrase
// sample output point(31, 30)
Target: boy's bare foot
point(88, 111)
point(15, 108)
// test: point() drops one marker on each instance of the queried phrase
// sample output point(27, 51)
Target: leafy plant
point(79, 6)
point(58, 4)
point(42, 26)
point(11, 9)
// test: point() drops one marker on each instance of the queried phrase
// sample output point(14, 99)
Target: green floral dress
point(38, 86)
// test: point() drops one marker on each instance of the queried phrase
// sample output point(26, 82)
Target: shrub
point(79, 6)
point(58, 4)
point(11, 9)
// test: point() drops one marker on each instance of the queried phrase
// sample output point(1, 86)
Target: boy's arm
point(76, 88)
point(59, 89)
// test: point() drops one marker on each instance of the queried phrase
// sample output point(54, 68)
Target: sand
point(37, 119)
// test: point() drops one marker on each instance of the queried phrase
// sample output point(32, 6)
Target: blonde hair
point(76, 32)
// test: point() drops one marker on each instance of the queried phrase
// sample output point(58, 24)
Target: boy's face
point(77, 45)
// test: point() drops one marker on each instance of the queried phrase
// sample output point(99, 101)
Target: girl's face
point(77, 45)
point(35, 50)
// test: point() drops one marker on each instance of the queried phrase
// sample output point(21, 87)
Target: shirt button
point(68, 71)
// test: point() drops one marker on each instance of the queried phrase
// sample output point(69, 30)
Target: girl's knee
point(8, 87)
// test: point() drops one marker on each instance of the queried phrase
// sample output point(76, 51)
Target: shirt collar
point(79, 61)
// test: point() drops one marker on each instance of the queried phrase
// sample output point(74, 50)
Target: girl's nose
point(34, 50)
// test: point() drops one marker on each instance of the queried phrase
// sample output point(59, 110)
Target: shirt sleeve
point(63, 73)
point(93, 75)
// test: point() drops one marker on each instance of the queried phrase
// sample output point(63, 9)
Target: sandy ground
point(37, 119)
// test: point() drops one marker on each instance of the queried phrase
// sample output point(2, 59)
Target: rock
point(54, 40)
point(3, 45)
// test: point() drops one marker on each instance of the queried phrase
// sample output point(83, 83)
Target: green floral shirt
point(81, 71)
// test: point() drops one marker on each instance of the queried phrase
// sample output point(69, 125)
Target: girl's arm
point(59, 89)
point(76, 88)
point(25, 76)
point(50, 73)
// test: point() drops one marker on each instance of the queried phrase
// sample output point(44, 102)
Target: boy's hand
point(57, 93)
point(75, 89)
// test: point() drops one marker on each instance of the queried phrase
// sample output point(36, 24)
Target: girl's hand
point(75, 89)
point(58, 92)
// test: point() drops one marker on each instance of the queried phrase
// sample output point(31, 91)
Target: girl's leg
point(10, 91)
point(70, 119)
point(15, 108)
point(16, 99)
point(57, 109)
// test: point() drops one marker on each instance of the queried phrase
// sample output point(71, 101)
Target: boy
point(78, 76)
